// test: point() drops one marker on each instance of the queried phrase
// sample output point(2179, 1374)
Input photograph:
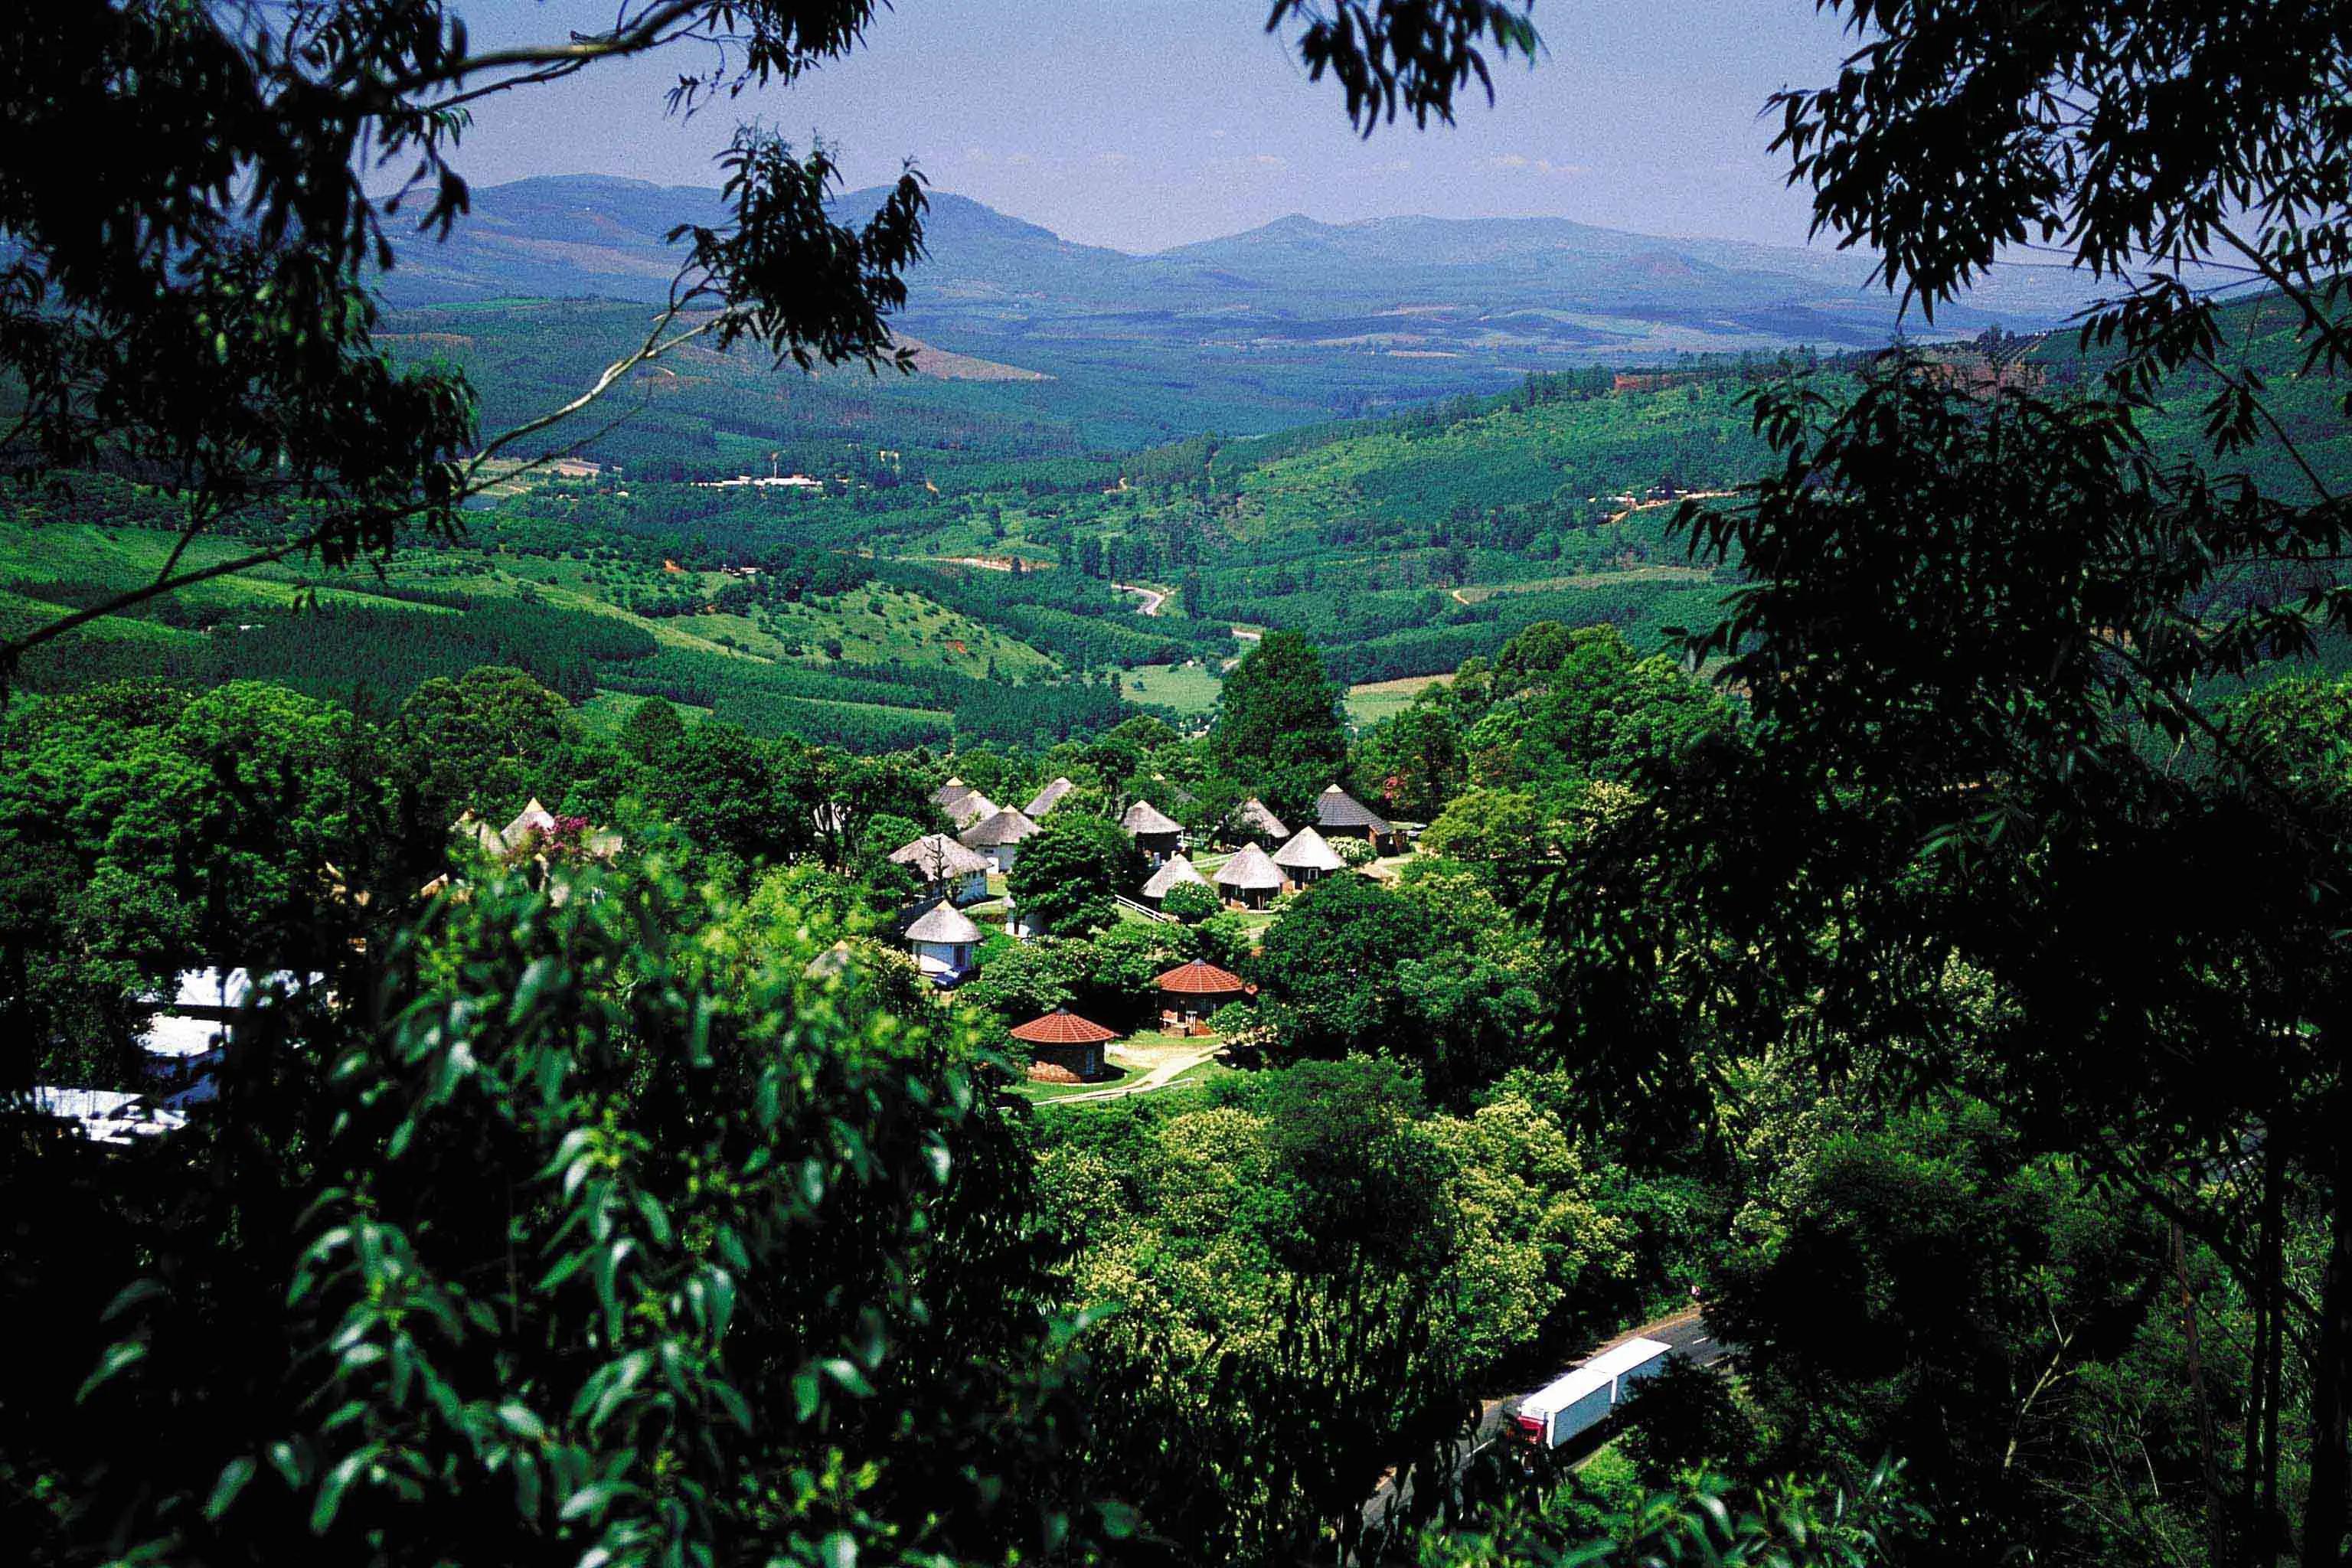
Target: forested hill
point(1088, 348)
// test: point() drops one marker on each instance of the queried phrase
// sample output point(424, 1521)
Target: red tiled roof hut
point(1063, 1046)
point(1191, 993)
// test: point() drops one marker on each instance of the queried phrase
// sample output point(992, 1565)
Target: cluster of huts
point(1066, 1048)
point(1271, 859)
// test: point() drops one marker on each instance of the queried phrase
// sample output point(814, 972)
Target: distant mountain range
point(1468, 300)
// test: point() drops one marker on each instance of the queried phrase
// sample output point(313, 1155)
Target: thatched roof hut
point(936, 858)
point(998, 830)
point(1047, 799)
point(945, 924)
point(973, 807)
point(1250, 870)
point(1306, 852)
point(1175, 872)
point(1145, 820)
point(1255, 823)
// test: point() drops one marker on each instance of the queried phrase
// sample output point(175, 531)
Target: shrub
point(1190, 903)
point(1234, 1020)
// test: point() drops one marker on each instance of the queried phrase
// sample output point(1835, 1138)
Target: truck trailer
point(1583, 1399)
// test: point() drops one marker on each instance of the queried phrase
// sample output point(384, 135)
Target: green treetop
point(1279, 730)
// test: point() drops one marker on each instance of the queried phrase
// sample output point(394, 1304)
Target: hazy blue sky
point(1145, 123)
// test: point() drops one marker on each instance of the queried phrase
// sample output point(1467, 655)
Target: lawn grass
point(604, 714)
point(1136, 1057)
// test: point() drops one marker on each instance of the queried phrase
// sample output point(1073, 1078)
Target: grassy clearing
point(1189, 688)
point(1377, 699)
point(604, 713)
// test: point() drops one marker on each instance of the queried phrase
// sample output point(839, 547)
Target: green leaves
point(1410, 55)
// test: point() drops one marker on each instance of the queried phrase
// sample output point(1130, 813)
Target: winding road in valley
point(1152, 597)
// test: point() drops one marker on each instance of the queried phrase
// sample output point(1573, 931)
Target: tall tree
point(1279, 730)
point(1067, 873)
point(1981, 642)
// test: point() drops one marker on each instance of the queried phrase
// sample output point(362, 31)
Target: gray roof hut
point(1337, 810)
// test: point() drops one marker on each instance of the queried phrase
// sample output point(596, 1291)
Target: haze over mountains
point(1494, 297)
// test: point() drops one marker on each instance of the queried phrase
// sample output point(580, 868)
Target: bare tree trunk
point(2331, 1465)
point(2216, 1514)
point(2272, 1357)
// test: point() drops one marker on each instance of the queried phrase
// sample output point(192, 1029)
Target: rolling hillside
point(805, 643)
point(945, 588)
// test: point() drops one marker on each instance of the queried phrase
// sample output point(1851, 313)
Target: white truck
point(1583, 1399)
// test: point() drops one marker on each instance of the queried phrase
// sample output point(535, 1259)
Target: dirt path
point(1157, 1077)
point(1671, 500)
point(1152, 597)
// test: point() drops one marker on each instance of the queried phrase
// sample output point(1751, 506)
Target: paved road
point(1152, 597)
point(1684, 1332)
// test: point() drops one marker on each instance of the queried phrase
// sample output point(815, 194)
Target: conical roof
point(973, 807)
point(472, 829)
point(1062, 1027)
point(943, 923)
point(1047, 799)
point(938, 857)
point(533, 818)
point(1254, 817)
point(1174, 871)
point(1006, 827)
point(1335, 807)
point(1145, 818)
point(1201, 979)
point(949, 792)
point(1250, 870)
point(1307, 852)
